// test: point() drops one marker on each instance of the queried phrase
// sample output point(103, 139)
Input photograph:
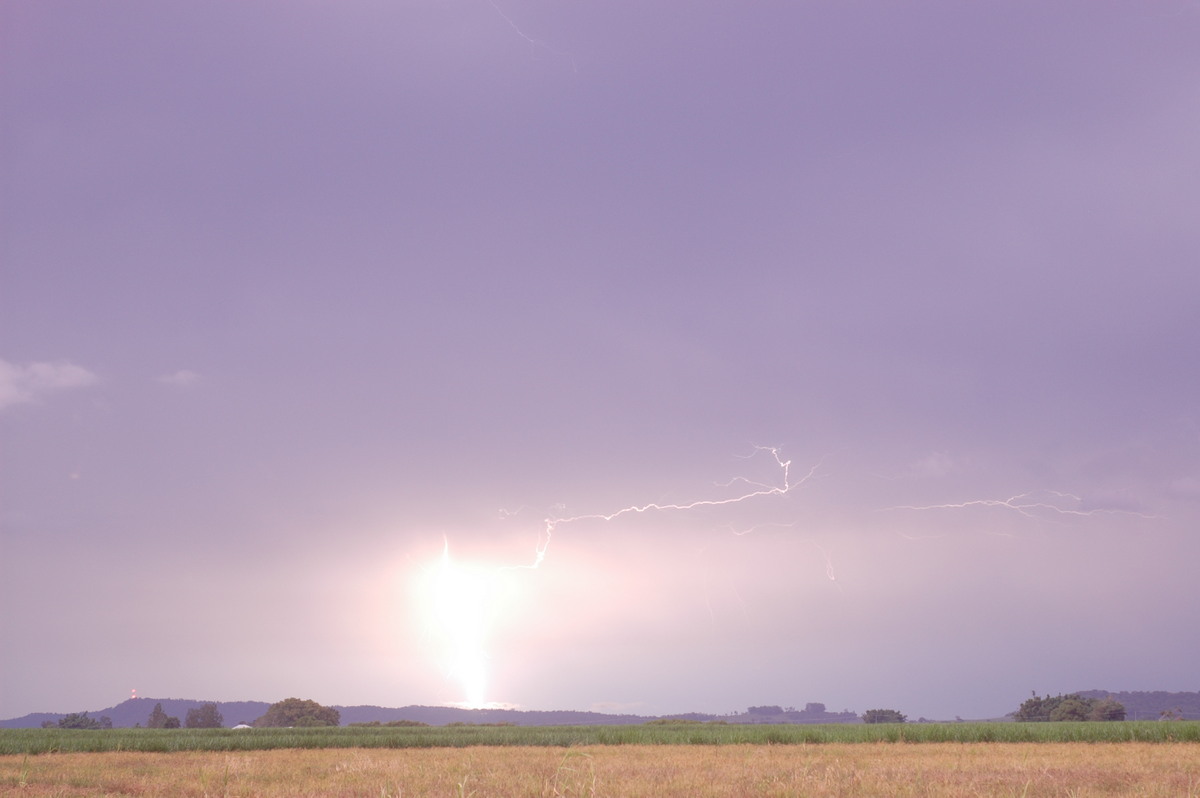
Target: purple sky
point(295, 295)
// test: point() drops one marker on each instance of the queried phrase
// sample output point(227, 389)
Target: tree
point(205, 716)
point(299, 712)
point(883, 716)
point(1107, 709)
point(1037, 710)
point(80, 720)
point(1069, 707)
point(161, 720)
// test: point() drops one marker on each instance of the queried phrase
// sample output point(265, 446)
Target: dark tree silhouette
point(299, 712)
point(161, 720)
point(205, 716)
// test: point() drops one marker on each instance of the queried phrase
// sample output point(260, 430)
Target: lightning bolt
point(1034, 504)
point(461, 595)
point(536, 43)
point(757, 489)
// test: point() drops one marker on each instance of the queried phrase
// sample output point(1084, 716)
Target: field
point(37, 741)
point(703, 761)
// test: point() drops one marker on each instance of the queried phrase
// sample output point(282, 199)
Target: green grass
point(39, 741)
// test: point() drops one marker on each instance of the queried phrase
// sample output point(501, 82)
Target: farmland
point(36, 741)
point(1147, 770)
point(1002, 759)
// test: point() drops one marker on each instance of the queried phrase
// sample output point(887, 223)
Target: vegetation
point(883, 716)
point(80, 720)
point(1152, 705)
point(160, 720)
point(1071, 707)
point(205, 716)
point(38, 741)
point(937, 770)
point(298, 712)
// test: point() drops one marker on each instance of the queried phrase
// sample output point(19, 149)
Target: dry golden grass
point(1077, 770)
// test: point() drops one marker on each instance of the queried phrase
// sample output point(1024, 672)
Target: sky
point(632, 357)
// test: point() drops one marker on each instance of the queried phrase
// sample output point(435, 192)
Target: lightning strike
point(462, 599)
point(830, 573)
point(1034, 504)
point(759, 489)
point(536, 43)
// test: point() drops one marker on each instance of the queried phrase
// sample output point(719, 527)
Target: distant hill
point(136, 711)
point(1141, 705)
point(441, 716)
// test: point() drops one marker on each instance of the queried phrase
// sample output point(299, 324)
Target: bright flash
point(461, 600)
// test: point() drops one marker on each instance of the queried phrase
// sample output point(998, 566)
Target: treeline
point(1070, 707)
point(813, 712)
point(205, 716)
point(79, 720)
point(290, 712)
point(1153, 704)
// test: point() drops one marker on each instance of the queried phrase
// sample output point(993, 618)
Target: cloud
point(27, 383)
point(183, 377)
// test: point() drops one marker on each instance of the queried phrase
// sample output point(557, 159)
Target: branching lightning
point(1034, 504)
point(461, 597)
point(759, 489)
point(466, 597)
point(536, 43)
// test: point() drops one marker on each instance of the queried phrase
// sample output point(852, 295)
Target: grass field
point(37, 741)
point(931, 770)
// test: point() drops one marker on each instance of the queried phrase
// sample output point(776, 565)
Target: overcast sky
point(317, 318)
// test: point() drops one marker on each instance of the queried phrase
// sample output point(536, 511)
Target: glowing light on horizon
point(461, 597)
